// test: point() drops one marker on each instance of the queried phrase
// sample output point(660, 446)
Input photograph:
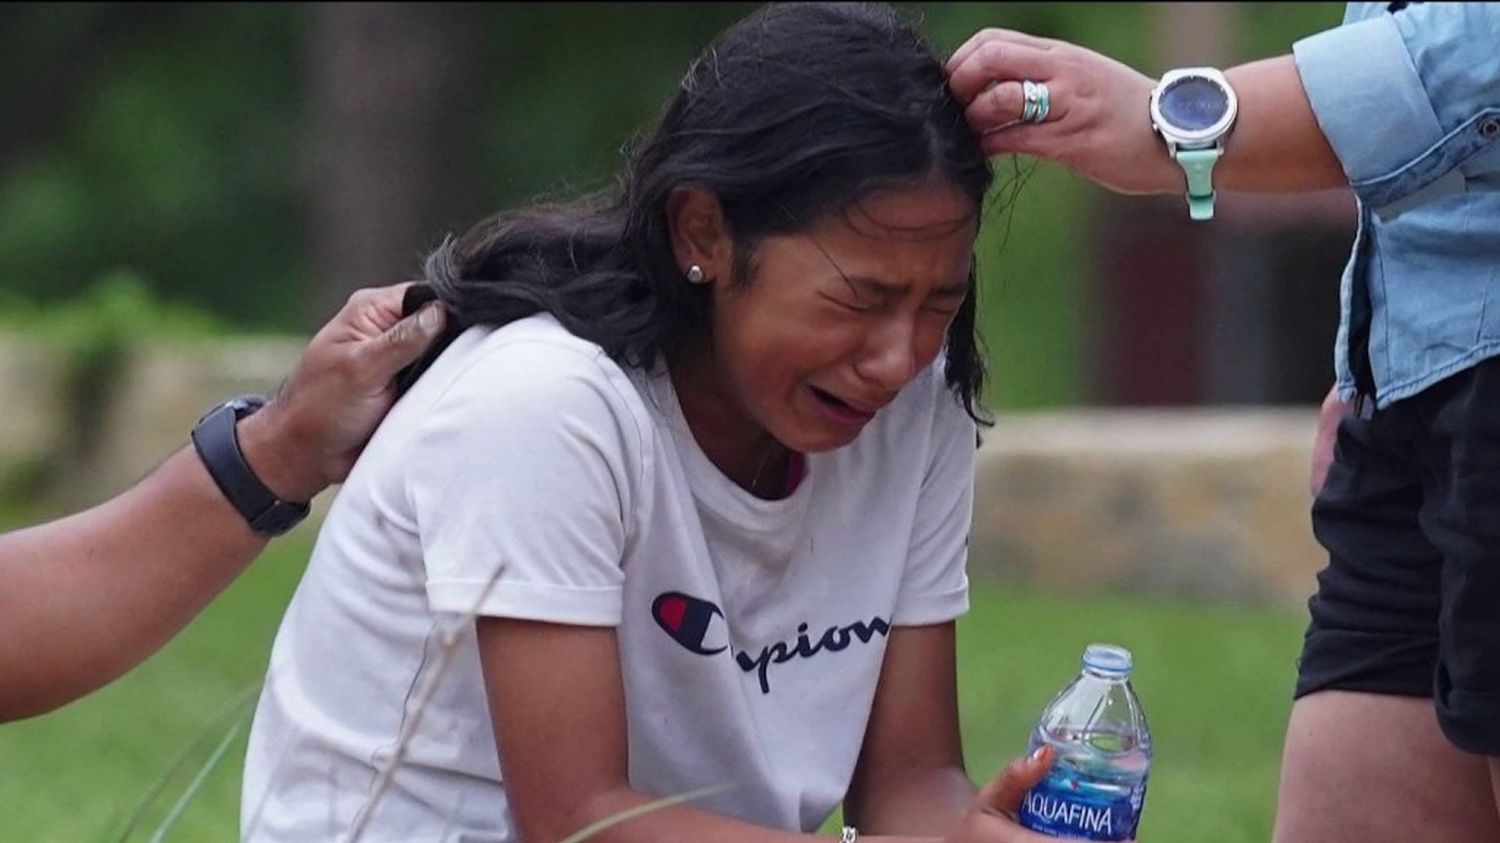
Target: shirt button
point(1490, 128)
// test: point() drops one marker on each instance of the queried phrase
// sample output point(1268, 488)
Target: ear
point(700, 234)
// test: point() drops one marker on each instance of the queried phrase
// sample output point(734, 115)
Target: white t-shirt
point(526, 475)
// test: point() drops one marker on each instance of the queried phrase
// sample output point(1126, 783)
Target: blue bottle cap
point(1107, 659)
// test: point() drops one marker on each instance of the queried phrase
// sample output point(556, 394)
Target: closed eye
point(851, 306)
point(947, 301)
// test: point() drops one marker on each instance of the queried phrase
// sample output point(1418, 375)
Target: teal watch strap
point(1198, 164)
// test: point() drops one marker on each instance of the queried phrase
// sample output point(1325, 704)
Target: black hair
point(797, 111)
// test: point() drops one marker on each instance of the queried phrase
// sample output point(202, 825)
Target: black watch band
point(219, 447)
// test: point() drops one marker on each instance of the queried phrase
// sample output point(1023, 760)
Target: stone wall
point(94, 446)
point(1187, 503)
point(33, 404)
point(1196, 503)
point(161, 392)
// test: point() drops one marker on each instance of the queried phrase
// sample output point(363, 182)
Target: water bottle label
point(1065, 806)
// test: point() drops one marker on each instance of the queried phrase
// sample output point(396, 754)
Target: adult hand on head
point(992, 816)
point(1098, 123)
point(310, 434)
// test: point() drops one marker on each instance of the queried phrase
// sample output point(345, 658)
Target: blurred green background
point(258, 161)
point(216, 169)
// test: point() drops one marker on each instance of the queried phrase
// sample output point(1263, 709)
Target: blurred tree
point(156, 138)
point(32, 114)
point(395, 138)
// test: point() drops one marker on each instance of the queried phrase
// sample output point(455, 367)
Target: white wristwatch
point(1193, 109)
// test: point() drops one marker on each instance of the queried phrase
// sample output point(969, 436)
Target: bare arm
point(1276, 146)
point(86, 598)
point(558, 709)
point(1100, 127)
point(1495, 780)
point(1329, 415)
point(910, 775)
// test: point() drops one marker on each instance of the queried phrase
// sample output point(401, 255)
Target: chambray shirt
point(1410, 103)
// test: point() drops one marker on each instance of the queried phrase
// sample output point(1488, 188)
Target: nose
point(889, 358)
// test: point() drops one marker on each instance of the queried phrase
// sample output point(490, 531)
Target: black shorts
point(1410, 516)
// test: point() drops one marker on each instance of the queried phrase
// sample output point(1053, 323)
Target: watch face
point(1193, 103)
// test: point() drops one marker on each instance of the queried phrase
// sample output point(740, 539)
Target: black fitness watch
point(219, 447)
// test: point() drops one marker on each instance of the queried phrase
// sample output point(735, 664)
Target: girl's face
point(836, 319)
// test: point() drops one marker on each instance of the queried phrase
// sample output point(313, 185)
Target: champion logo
point(690, 622)
point(687, 620)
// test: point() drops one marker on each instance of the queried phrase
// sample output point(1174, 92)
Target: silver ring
point(1036, 101)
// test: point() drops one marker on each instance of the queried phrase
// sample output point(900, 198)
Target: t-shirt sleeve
point(521, 482)
point(935, 586)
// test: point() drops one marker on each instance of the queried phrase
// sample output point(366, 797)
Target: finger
point(968, 47)
point(997, 107)
point(400, 346)
point(1004, 792)
point(997, 61)
point(368, 313)
point(381, 305)
point(986, 35)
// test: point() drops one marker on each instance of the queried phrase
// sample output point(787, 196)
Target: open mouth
point(832, 400)
point(839, 409)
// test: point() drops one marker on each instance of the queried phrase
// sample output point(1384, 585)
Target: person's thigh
point(1375, 768)
point(1365, 760)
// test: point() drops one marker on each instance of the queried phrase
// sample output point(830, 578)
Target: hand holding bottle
point(992, 817)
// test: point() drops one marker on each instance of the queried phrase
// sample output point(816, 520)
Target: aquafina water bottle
point(1102, 754)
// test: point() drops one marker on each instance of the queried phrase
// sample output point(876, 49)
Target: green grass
point(1215, 683)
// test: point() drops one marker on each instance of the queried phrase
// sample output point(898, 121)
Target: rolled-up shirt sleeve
point(1407, 99)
